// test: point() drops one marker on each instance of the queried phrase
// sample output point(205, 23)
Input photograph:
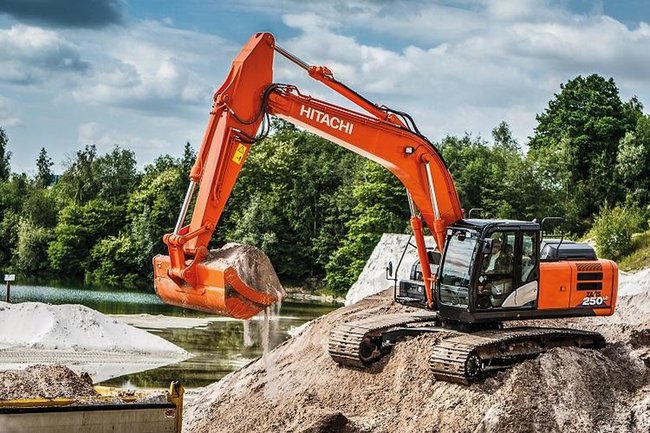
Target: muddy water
point(220, 347)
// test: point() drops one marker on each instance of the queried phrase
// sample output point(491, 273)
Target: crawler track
point(360, 343)
point(463, 358)
point(468, 357)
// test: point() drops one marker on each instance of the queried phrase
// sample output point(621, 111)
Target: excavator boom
point(187, 277)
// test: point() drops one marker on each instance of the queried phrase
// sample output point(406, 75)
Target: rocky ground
point(300, 389)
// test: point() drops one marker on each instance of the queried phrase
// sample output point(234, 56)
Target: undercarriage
point(462, 357)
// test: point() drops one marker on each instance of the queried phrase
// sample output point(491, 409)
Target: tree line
point(317, 209)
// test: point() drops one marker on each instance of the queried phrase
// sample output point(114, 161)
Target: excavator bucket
point(236, 280)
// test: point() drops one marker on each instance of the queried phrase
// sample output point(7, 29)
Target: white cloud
point(152, 67)
point(32, 54)
point(105, 138)
point(505, 64)
point(518, 10)
point(456, 66)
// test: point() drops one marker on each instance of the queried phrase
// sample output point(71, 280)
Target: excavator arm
point(387, 137)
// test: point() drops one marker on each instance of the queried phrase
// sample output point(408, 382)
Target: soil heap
point(565, 389)
point(252, 265)
point(44, 381)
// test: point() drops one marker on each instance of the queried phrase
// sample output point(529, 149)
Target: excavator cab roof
point(484, 224)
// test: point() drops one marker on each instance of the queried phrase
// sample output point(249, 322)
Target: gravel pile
point(43, 381)
point(565, 389)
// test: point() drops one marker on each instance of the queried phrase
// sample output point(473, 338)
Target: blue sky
point(140, 74)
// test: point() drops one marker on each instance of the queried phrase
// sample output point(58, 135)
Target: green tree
point(40, 208)
point(112, 263)
point(633, 163)
point(78, 182)
point(589, 119)
point(381, 206)
point(159, 196)
point(115, 175)
point(187, 161)
point(503, 138)
point(152, 211)
point(12, 194)
point(613, 229)
point(80, 227)
point(9, 235)
point(31, 252)
point(5, 155)
point(44, 175)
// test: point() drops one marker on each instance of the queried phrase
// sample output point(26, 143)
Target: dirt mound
point(252, 265)
point(44, 381)
point(569, 389)
point(562, 390)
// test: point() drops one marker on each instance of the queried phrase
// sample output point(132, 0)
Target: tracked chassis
point(362, 342)
point(468, 357)
point(462, 358)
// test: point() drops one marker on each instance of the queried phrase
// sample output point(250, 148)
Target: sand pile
point(79, 337)
point(562, 390)
point(373, 277)
point(74, 327)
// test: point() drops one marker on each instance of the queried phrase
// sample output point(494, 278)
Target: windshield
point(456, 269)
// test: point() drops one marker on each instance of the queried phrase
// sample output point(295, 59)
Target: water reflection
point(106, 301)
point(220, 347)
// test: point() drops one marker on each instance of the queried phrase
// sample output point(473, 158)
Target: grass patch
point(640, 256)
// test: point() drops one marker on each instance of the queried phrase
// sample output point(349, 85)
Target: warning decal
point(239, 154)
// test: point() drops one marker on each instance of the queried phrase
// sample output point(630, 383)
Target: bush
point(30, 255)
point(613, 229)
point(113, 264)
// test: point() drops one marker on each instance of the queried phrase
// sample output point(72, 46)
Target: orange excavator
point(480, 274)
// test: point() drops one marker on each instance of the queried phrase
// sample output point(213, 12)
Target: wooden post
point(8, 279)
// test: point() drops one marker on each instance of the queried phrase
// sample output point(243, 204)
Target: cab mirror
point(389, 270)
point(487, 246)
point(434, 257)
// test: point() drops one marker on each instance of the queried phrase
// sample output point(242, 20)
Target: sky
point(141, 74)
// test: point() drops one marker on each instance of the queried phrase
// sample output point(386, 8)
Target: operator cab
point(489, 266)
point(498, 258)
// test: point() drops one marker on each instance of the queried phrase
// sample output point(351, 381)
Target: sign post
point(8, 279)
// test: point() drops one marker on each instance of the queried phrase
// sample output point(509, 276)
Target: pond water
point(218, 346)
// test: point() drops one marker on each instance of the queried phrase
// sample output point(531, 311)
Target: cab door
point(496, 277)
point(526, 272)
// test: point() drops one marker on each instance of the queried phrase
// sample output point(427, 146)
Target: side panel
point(90, 419)
point(579, 285)
point(595, 286)
point(555, 280)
